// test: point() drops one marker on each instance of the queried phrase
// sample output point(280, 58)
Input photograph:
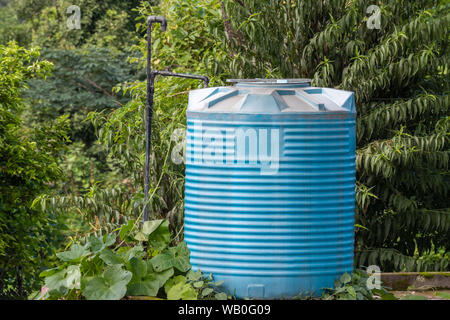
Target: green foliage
point(354, 287)
point(103, 23)
point(11, 28)
point(83, 75)
point(28, 163)
point(120, 132)
point(81, 82)
point(399, 74)
point(105, 268)
point(187, 45)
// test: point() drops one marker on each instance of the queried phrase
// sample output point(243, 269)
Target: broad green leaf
point(92, 266)
point(64, 280)
point(130, 252)
point(176, 288)
point(206, 291)
point(194, 275)
point(109, 239)
point(145, 281)
point(97, 244)
point(345, 278)
point(150, 226)
point(49, 272)
point(75, 254)
point(159, 239)
point(351, 291)
point(138, 267)
point(111, 258)
point(139, 236)
point(198, 284)
point(125, 229)
point(176, 257)
point(111, 285)
point(221, 296)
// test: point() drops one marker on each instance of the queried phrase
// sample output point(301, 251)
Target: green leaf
point(64, 280)
point(145, 281)
point(139, 236)
point(159, 239)
point(207, 291)
point(49, 272)
point(111, 258)
point(125, 229)
point(75, 254)
point(109, 239)
point(194, 275)
point(345, 278)
point(111, 285)
point(176, 257)
point(150, 226)
point(351, 291)
point(385, 295)
point(95, 243)
point(360, 226)
point(221, 296)
point(131, 252)
point(198, 284)
point(177, 288)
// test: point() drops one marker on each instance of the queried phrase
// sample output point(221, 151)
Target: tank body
point(270, 186)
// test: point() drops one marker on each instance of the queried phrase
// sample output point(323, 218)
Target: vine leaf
point(111, 258)
point(345, 278)
point(159, 237)
point(97, 244)
point(177, 288)
point(176, 257)
point(150, 226)
point(112, 285)
point(64, 280)
point(145, 281)
point(75, 254)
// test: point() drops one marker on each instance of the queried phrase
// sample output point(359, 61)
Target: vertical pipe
point(148, 117)
point(151, 75)
point(149, 108)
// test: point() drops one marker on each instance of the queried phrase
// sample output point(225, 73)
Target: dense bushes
point(28, 164)
point(399, 74)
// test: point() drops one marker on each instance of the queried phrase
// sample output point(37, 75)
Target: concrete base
point(402, 281)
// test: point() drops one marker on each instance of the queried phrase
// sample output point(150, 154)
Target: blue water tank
point(270, 186)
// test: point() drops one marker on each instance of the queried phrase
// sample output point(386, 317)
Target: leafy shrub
point(28, 165)
point(399, 74)
point(128, 262)
point(354, 287)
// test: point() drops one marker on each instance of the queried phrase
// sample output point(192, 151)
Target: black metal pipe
point(205, 79)
point(151, 74)
point(149, 108)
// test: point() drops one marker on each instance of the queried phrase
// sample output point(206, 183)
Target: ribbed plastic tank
point(270, 186)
